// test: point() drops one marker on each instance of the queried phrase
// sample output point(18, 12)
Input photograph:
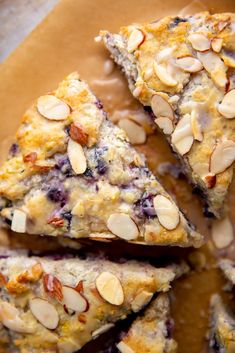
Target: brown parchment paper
point(63, 43)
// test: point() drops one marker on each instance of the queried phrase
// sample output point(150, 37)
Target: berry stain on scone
point(184, 70)
point(73, 173)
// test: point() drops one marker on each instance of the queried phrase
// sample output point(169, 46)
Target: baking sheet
point(63, 43)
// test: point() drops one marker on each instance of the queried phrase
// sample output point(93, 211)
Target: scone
point(182, 71)
point(73, 173)
point(152, 331)
point(57, 305)
point(222, 330)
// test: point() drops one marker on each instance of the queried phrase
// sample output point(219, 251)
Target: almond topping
point(182, 137)
point(163, 75)
point(215, 66)
point(222, 233)
point(110, 288)
point(227, 106)
point(44, 312)
point(228, 58)
point(135, 40)
point(167, 212)
point(101, 330)
point(210, 180)
point(74, 300)
point(123, 226)
point(18, 223)
point(216, 44)
point(53, 108)
point(77, 133)
point(189, 64)
point(30, 157)
point(161, 108)
point(135, 133)
point(222, 156)
point(165, 124)
point(124, 348)
point(196, 128)
point(10, 317)
point(56, 222)
point(52, 286)
point(199, 41)
point(77, 157)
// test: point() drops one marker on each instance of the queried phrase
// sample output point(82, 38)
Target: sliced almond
point(196, 128)
point(135, 40)
point(182, 137)
point(101, 330)
point(199, 41)
point(227, 106)
point(222, 156)
point(141, 300)
point(52, 286)
point(167, 212)
point(228, 58)
point(165, 124)
point(18, 223)
point(210, 180)
point(53, 108)
point(189, 64)
point(74, 300)
point(110, 288)
point(137, 91)
point(44, 312)
point(222, 233)
point(124, 348)
point(123, 226)
point(163, 75)
point(135, 133)
point(77, 157)
point(10, 317)
point(165, 54)
point(216, 44)
point(161, 108)
point(215, 66)
point(77, 133)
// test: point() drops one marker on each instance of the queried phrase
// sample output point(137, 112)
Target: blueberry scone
point(57, 305)
point(151, 333)
point(183, 71)
point(73, 173)
point(222, 330)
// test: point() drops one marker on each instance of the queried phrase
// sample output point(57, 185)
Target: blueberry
point(145, 208)
point(64, 166)
point(14, 149)
point(176, 21)
point(88, 173)
point(169, 328)
point(57, 193)
point(102, 167)
point(99, 104)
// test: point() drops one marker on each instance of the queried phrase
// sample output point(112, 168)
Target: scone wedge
point(57, 306)
point(152, 331)
point(73, 173)
point(183, 71)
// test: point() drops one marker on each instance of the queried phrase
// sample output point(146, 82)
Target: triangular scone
point(73, 173)
point(152, 331)
point(183, 70)
point(50, 305)
point(222, 330)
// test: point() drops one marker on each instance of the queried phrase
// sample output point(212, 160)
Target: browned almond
point(227, 106)
point(228, 58)
point(56, 222)
point(53, 108)
point(110, 288)
point(216, 44)
point(30, 157)
point(3, 279)
point(199, 41)
point(74, 300)
point(79, 287)
point(44, 312)
point(31, 275)
point(53, 287)
point(210, 181)
point(189, 64)
point(82, 318)
point(222, 157)
point(77, 133)
point(135, 40)
point(161, 107)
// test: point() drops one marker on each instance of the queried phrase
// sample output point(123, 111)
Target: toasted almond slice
point(122, 225)
point(164, 75)
point(228, 58)
point(141, 299)
point(137, 91)
point(165, 124)
point(110, 288)
point(77, 157)
point(10, 317)
point(215, 66)
point(227, 106)
point(189, 64)
point(196, 128)
point(135, 133)
point(210, 180)
point(182, 137)
point(101, 330)
point(216, 44)
point(161, 108)
point(124, 348)
point(222, 156)
point(74, 300)
point(18, 223)
point(167, 212)
point(44, 312)
point(165, 54)
point(199, 41)
point(135, 40)
point(222, 233)
point(52, 108)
